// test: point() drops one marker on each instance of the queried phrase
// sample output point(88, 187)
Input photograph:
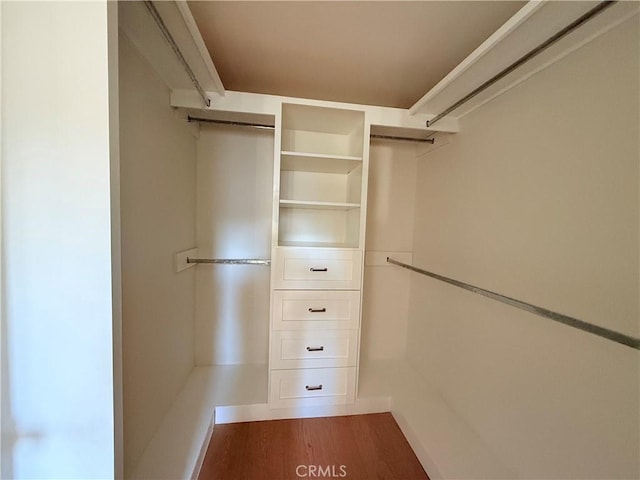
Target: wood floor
point(358, 447)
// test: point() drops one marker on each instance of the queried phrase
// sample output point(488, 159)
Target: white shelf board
point(318, 205)
point(528, 28)
point(341, 121)
point(319, 163)
point(263, 104)
point(136, 22)
point(426, 418)
point(178, 446)
point(317, 245)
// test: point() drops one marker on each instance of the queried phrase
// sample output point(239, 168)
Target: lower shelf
point(446, 445)
point(178, 447)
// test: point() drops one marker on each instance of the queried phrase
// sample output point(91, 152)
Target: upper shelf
point(330, 132)
point(137, 23)
point(528, 28)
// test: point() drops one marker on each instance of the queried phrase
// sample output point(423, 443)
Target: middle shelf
point(319, 163)
point(315, 205)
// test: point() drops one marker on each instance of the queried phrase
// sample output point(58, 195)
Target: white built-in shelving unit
point(320, 180)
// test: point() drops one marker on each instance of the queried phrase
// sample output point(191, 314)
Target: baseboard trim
point(261, 411)
point(416, 445)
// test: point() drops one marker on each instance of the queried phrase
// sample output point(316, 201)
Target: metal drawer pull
point(315, 349)
point(325, 269)
point(317, 310)
point(314, 387)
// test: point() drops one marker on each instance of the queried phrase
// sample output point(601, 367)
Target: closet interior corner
point(256, 232)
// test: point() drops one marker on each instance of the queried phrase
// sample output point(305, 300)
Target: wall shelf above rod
point(153, 11)
point(543, 312)
point(231, 261)
point(525, 58)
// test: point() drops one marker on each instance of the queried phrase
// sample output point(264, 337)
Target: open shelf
point(321, 175)
point(299, 244)
point(318, 205)
point(178, 446)
point(318, 163)
point(323, 131)
point(318, 226)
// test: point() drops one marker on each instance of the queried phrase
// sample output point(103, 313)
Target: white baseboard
point(261, 411)
point(417, 446)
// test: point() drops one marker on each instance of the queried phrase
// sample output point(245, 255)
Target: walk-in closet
point(179, 254)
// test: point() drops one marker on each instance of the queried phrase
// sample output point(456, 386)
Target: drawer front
point(317, 268)
point(314, 386)
point(313, 349)
point(312, 309)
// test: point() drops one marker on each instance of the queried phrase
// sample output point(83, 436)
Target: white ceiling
point(375, 53)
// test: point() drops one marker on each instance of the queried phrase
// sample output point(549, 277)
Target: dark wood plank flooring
point(357, 447)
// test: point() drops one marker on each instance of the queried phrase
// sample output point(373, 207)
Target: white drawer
point(315, 309)
point(317, 268)
point(313, 386)
point(313, 349)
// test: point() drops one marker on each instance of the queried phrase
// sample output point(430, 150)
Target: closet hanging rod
point(543, 312)
point(525, 58)
point(267, 126)
point(230, 122)
point(231, 261)
point(404, 139)
point(176, 50)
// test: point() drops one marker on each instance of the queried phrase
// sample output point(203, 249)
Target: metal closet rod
point(528, 307)
point(525, 58)
point(176, 50)
point(404, 139)
point(231, 261)
point(267, 126)
point(233, 123)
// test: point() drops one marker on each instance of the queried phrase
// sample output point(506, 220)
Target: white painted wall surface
point(537, 198)
point(390, 211)
point(235, 191)
point(57, 365)
point(158, 184)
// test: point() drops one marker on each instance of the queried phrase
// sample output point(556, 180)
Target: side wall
point(158, 184)
point(57, 362)
point(537, 198)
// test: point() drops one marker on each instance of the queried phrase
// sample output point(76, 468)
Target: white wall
point(390, 211)
point(57, 364)
point(158, 184)
point(235, 185)
point(537, 198)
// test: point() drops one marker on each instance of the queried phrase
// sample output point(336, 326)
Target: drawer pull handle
point(317, 310)
point(315, 349)
point(313, 387)
point(325, 269)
